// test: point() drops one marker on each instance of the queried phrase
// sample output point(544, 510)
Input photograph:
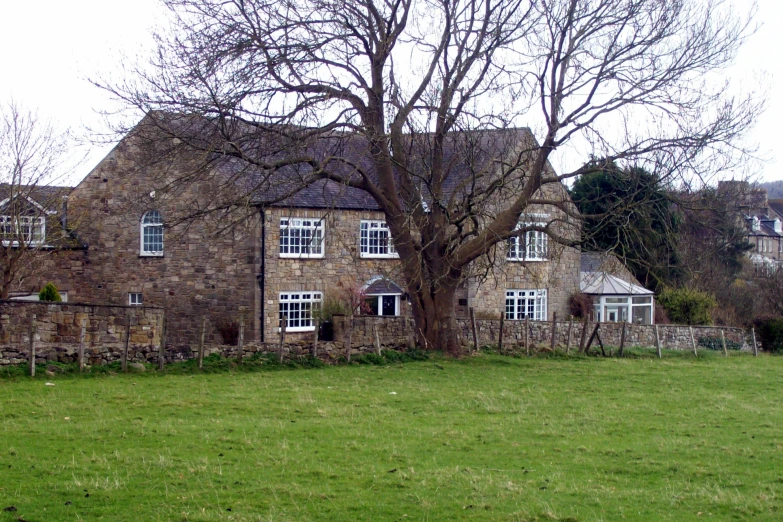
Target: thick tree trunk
point(435, 319)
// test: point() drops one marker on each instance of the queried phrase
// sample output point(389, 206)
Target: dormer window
point(755, 224)
point(151, 234)
point(27, 231)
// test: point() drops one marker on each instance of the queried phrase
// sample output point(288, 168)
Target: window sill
point(379, 256)
point(147, 254)
point(301, 256)
point(297, 329)
point(522, 260)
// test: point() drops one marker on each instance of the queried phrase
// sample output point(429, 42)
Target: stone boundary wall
point(673, 337)
point(58, 329)
point(398, 331)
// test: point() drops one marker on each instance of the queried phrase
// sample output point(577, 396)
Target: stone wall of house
point(63, 268)
point(340, 271)
point(58, 331)
point(207, 267)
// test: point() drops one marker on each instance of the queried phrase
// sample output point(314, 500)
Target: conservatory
point(616, 300)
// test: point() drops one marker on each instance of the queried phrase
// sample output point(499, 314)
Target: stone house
point(763, 220)
point(272, 258)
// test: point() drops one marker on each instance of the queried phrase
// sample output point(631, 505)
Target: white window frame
point(380, 228)
point(295, 229)
point(620, 302)
point(11, 226)
point(135, 299)
point(534, 246)
point(379, 297)
point(142, 227)
point(515, 312)
point(305, 301)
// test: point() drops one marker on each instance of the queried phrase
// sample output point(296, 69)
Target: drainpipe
point(64, 218)
point(260, 278)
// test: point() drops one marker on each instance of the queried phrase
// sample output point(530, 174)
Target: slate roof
point(466, 153)
point(382, 286)
point(601, 283)
point(49, 197)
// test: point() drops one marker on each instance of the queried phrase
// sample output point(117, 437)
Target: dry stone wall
point(58, 331)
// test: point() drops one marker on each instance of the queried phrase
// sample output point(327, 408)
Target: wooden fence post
point(32, 346)
point(125, 348)
point(693, 342)
point(500, 335)
point(658, 342)
point(200, 354)
point(162, 347)
point(583, 338)
point(473, 327)
point(568, 337)
point(241, 340)
point(554, 331)
point(723, 341)
point(81, 345)
point(593, 336)
point(527, 335)
point(283, 324)
point(349, 341)
point(410, 323)
point(377, 340)
point(622, 340)
point(315, 338)
point(755, 346)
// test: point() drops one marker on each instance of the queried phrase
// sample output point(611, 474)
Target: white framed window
point(375, 240)
point(151, 234)
point(530, 304)
point(383, 304)
point(530, 246)
point(298, 308)
point(135, 299)
point(31, 230)
point(301, 237)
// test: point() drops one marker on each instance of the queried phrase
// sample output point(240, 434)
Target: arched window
point(151, 234)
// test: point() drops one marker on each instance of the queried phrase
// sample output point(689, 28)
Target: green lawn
point(484, 438)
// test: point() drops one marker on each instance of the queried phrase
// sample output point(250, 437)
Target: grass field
point(483, 438)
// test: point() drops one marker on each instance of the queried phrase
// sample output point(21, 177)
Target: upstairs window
point(151, 234)
point(135, 299)
point(530, 246)
point(301, 237)
point(375, 240)
point(26, 230)
point(530, 304)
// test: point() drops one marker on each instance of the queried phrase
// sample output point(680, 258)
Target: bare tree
point(404, 100)
point(32, 152)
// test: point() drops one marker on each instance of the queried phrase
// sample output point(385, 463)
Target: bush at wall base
point(50, 293)
point(770, 333)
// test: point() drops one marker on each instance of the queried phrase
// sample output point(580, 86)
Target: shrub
point(770, 333)
point(580, 305)
point(50, 293)
point(684, 306)
point(716, 344)
point(229, 332)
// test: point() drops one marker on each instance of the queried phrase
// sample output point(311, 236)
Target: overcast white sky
point(50, 47)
